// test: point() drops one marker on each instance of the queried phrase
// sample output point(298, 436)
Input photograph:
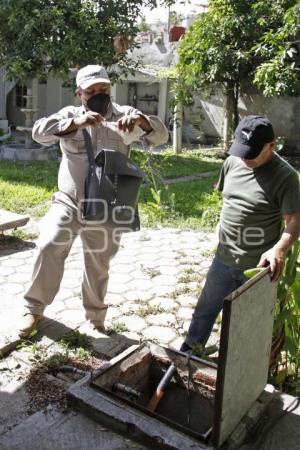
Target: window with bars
point(21, 90)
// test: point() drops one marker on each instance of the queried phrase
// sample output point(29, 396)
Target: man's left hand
point(127, 123)
point(275, 257)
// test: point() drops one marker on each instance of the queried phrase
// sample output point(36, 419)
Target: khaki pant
point(58, 230)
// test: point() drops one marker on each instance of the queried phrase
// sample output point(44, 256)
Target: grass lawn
point(27, 187)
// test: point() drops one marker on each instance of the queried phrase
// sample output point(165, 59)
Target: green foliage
point(280, 72)
point(149, 310)
point(143, 25)
point(285, 369)
point(42, 36)
point(117, 327)
point(237, 40)
point(23, 185)
point(57, 359)
point(176, 18)
point(217, 46)
point(76, 345)
point(74, 339)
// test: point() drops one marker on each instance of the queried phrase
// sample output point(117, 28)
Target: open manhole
point(203, 402)
point(190, 391)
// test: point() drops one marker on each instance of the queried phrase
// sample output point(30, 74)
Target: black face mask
point(99, 103)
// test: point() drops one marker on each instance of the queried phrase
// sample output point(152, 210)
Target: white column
point(113, 92)
point(162, 99)
point(177, 128)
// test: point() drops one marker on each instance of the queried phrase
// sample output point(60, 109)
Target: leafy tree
point(176, 18)
point(38, 37)
point(227, 44)
point(144, 26)
point(280, 72)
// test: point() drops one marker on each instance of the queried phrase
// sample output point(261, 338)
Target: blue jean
point(221, 281)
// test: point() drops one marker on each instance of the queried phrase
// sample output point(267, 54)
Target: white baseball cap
point(91, 74)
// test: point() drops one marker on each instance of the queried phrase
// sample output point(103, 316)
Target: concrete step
point(52, 429)
point(9, 220)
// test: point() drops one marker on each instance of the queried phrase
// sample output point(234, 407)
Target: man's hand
point(127, 123)
point(90, 118)
point(274, 257)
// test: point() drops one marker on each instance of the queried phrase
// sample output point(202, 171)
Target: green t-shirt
point(254, 202)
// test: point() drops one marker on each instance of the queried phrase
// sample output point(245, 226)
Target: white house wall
point(5, 88)
point(207, 113)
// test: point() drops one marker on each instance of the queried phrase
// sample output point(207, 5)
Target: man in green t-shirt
point(260, 191)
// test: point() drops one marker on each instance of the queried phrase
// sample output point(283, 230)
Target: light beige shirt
point(74, 165)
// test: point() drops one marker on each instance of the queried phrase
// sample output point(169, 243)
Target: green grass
point(27, 187)
point(172, 166)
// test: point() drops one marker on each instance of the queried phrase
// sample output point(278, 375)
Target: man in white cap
point(62, 223)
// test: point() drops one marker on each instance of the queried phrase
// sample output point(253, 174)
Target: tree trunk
point(231, 115)
point(236, 92)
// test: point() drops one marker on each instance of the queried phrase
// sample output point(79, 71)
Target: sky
point(184, 7)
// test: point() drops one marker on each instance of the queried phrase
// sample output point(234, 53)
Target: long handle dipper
point(160, 390)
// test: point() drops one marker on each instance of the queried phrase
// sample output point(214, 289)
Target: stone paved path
point(154, 283)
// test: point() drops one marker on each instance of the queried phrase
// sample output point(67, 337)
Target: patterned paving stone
point(116, 278)
point(117, 288)
point(176, 344)
point(71, 283)
point(160, 291)
point(149, 257)
point(141, 285)
point(162, 335)
point(114, 299)
point(134, 323)
point(165, 280)
point(187, 300)
point(72, 318)
point(112, 313)
point(132, 336)
point(13, 262)
point(120, 268)
point(72, 303)
point(185, 313)
point(161, 319)
point(186, 326)
point(73, 273)
point(19, 278)
point(130, 308)
point(164, 302)
point(6, 271)
point(169, 269)
point(73, 264)
point(63, 294)
point(142, 274)
point(12, 288)
point(132, 285)
point(137, 294)
point(26, 268)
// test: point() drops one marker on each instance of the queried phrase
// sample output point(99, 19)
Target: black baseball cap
point(251, 134)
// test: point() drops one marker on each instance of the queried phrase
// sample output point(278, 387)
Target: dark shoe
point(185, 348)
point(28, 324)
